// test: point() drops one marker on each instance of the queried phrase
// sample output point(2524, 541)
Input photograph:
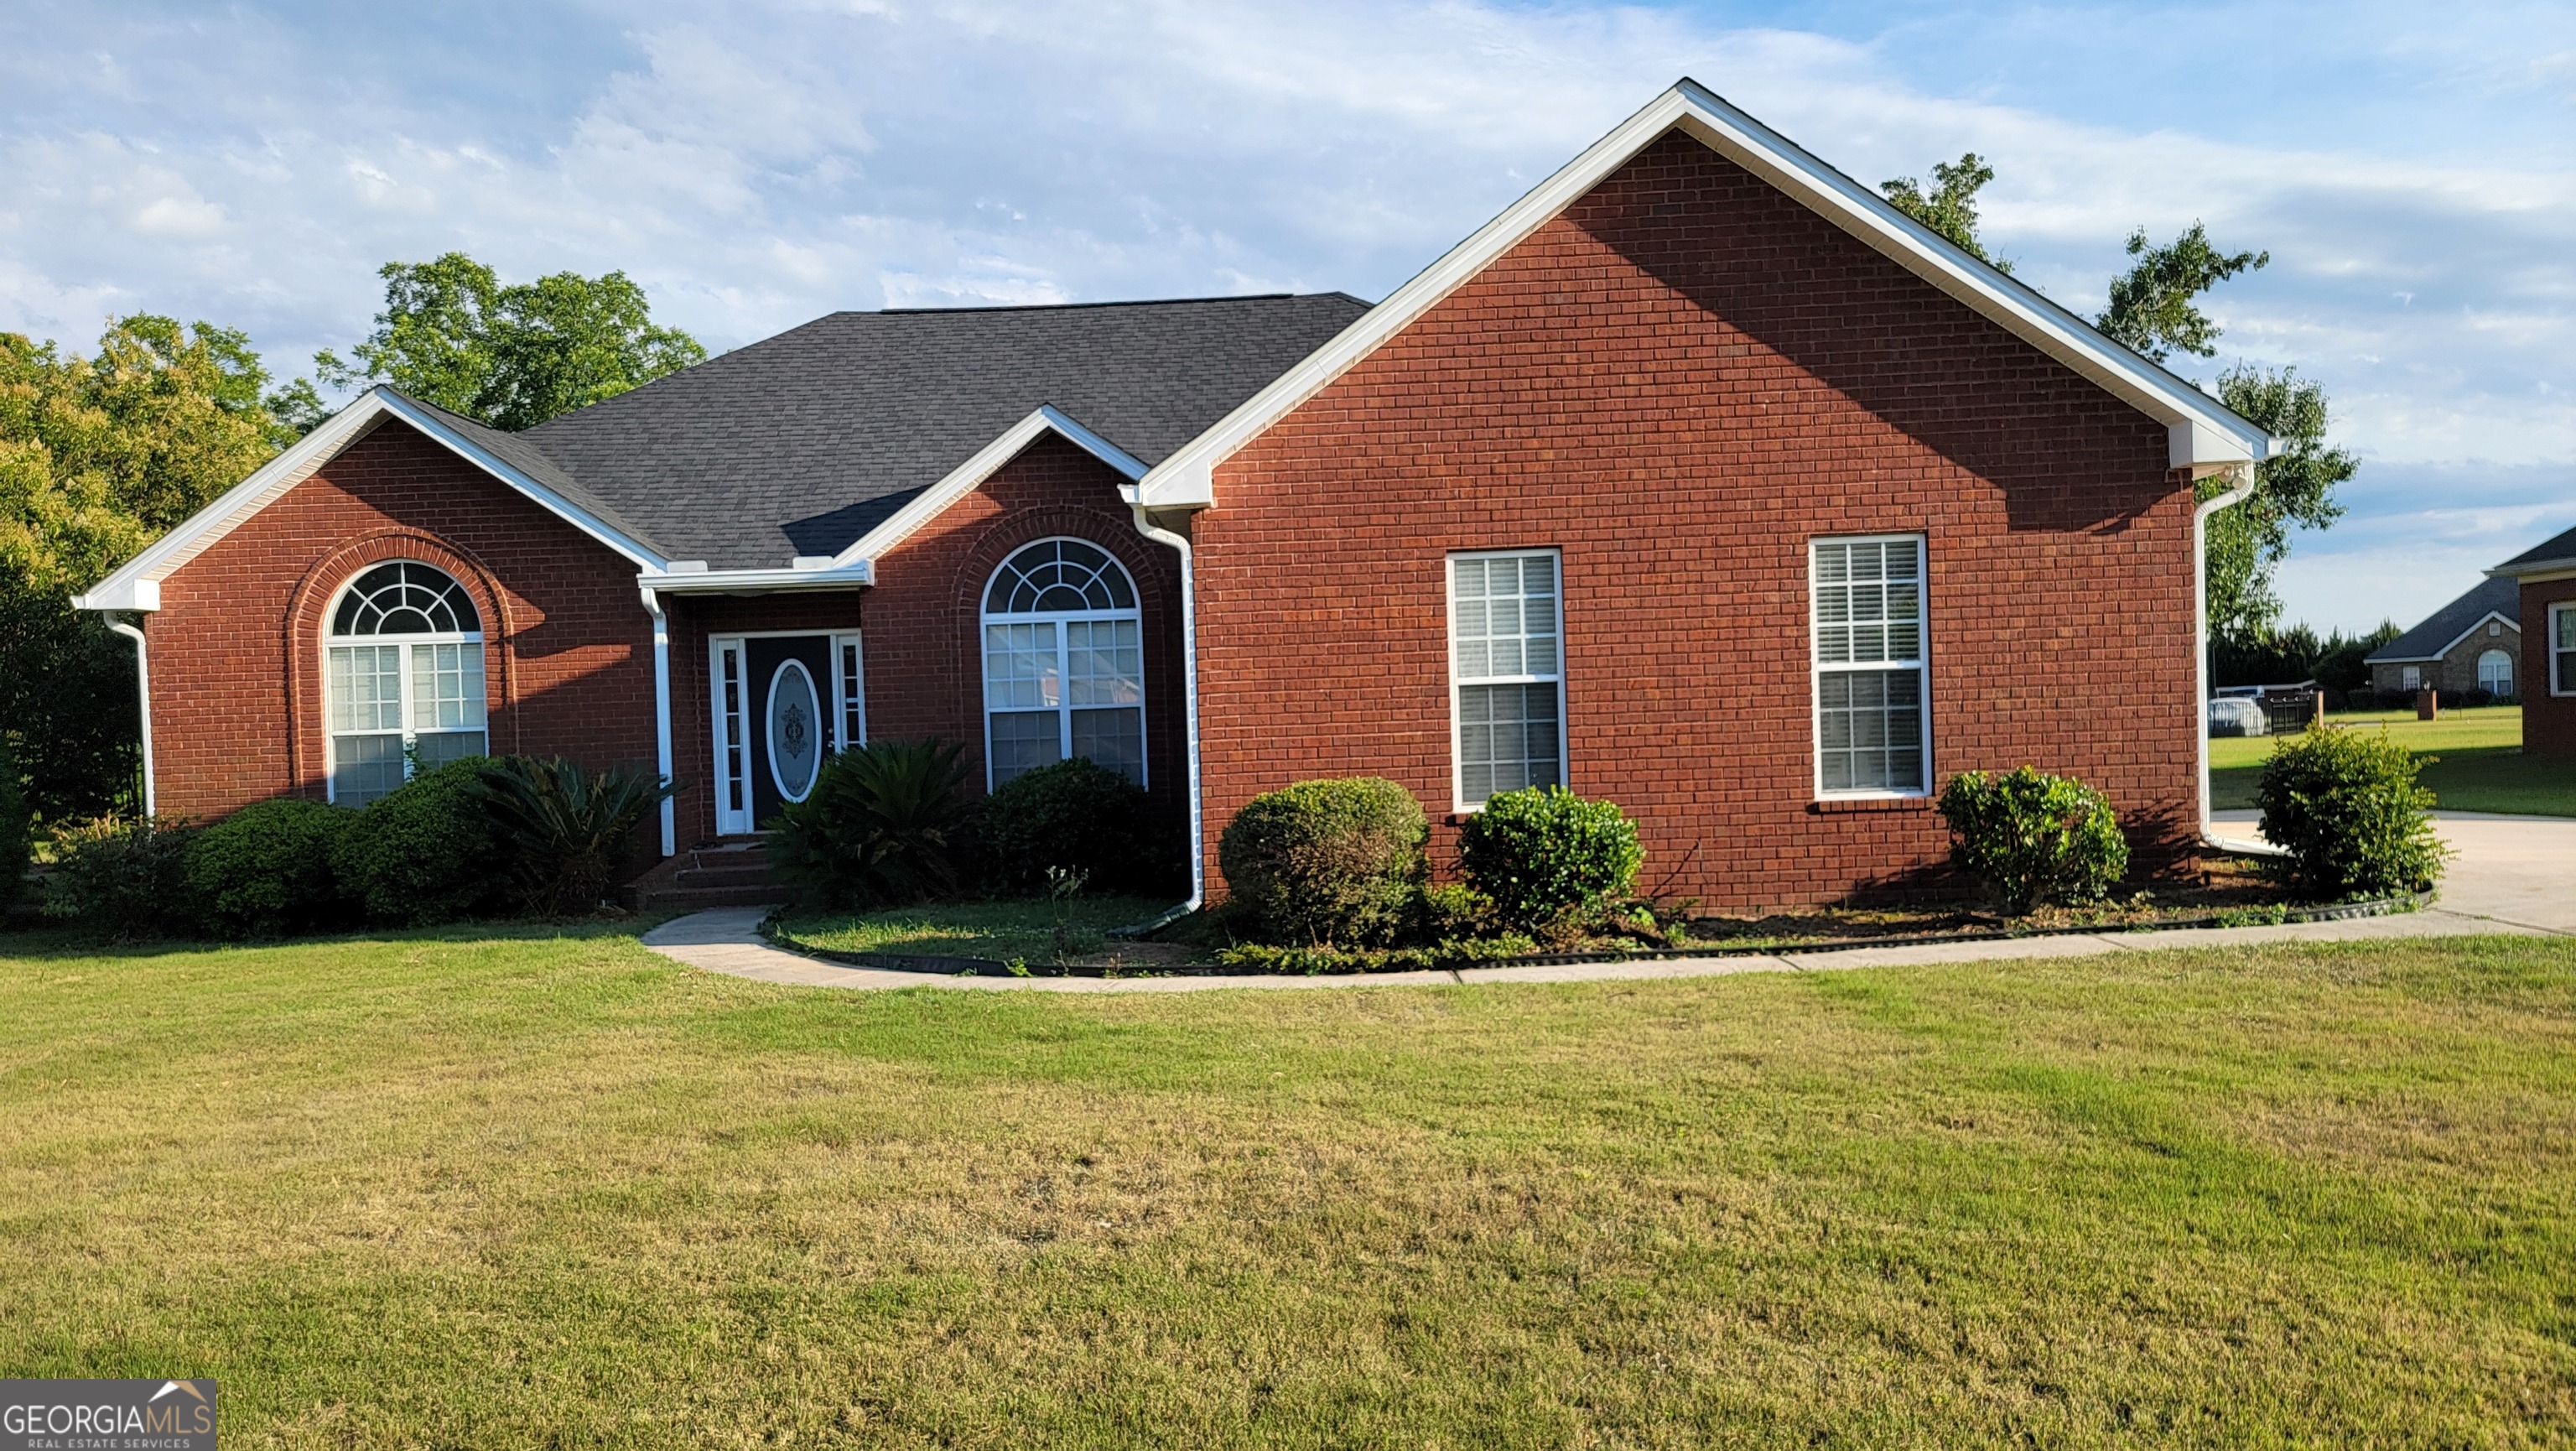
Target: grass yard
point(461, 1190)
point(2482, 767)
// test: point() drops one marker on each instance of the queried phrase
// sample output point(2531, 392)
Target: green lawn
point(553, 1190)
point(2482, 767)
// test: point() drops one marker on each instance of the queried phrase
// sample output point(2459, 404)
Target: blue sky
point(2411, 168)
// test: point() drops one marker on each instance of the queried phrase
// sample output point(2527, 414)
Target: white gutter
point(143, 688)
point(2209, 836)
point(1189, 711)
point(662, 718)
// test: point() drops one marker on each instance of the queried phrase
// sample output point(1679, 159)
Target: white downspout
point(662, 718)
point(2200, 662)
point(1189, 710)
point(143, 687)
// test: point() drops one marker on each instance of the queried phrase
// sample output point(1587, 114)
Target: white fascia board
point(757, 581)
point(546, 498)
point(2206, 434)
point(966, 477)
point(136, 585)
point(2534, 571)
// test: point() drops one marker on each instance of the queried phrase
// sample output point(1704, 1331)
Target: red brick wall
point(919, 624)
point(236, 646)
point(2548, 721)
point(1678, 383)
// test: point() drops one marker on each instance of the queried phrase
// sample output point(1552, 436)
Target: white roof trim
point(2204, 434)
point(136, 585)
point(2508, 621)
point(757, 581)
point(966, 477)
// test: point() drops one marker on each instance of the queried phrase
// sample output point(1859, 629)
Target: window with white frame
point(2495, 672)
point(402, 674)
point(2562, 649)
point(1064, 662)
point(1873, 731)
point(1506, 627)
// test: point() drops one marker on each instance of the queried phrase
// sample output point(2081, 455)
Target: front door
point(791, 681)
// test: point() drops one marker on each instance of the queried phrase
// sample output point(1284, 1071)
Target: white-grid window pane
point(446, 687)
point(433, 749)
point(1021, 668)
point(1113, 739)
point(365, 767)
point(1104, 662)
point(1024, 740)
point(365, 687)
point(1504, 614)
point(1871, 721)
point(1507, 739)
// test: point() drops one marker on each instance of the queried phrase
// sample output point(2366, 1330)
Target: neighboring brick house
point(2472, 643)
point(1700, 479)
point(2545, 578)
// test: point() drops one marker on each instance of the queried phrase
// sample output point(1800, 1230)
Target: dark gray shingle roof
point(515, 450)
point(2428, 640)
point(799, 444)
point(2557, 547)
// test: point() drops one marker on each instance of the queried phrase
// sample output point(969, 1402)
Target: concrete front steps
point(728, 872)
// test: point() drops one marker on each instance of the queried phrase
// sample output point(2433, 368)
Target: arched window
point(402, 673)
point(2495, 673)
point(1064, 662)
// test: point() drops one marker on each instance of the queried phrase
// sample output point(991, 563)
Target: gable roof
point(2499, 596)
point(2554, 553)
point(2205, 435)
point(805, 443)
point(136, 584)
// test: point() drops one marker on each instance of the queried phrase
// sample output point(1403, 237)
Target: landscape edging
point(929, 965)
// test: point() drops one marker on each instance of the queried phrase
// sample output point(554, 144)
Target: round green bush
point(425, 853)
point(1336, 861)
point(2345, 807)
point(2032, 838)
point(1543, 852)
point(122, 877)
point(265, 870)
point(1073, 816)
point(17, 829)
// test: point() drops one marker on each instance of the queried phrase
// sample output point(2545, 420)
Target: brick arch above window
point(307, 623)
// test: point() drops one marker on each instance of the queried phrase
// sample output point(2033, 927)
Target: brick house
point(1700, 479)
point(2544, 578)
point(2472, 643)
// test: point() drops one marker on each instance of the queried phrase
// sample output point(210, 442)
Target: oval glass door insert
point(795, 730)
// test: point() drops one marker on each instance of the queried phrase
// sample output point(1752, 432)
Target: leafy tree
point(2153, 307)
point(99, 456)
point(511, 356)
point(1950, 206)
point(2248, 542)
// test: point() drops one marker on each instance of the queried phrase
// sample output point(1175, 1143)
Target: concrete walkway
point(2513, 874)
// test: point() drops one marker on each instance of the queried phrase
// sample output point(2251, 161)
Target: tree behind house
point(510, 355)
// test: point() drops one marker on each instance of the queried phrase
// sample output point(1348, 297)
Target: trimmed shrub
point(1073, 816)
point(2031, 838)
point(883, 826)
point(2345, 807)
point(1543, 854)
point(17, 831)
point(265, 870)
point(425, 853)
point(1328, 862)
point(127, 878)
point(571, 831)
point(1455, 912)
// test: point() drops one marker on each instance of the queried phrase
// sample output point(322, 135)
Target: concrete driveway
point(2513, 869)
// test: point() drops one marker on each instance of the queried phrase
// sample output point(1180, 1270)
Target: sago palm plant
point(570, 829)
point(883, 826)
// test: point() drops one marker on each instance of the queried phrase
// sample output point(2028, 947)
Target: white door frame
point(729, 729)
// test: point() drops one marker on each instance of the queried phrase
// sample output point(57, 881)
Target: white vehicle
point(2237, 717)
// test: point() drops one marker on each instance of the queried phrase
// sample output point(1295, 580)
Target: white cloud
point(756, 164)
